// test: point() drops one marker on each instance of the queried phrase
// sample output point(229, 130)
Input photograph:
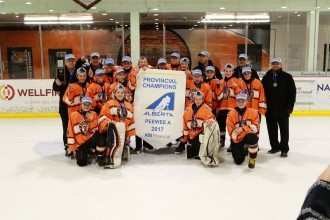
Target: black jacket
point(83, 64)
point(210, 63)
point(238, 73)
point(62, 88)
point(280, 99)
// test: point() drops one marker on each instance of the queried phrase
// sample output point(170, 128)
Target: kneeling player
point(243, 128)
point(83, 135)
point(194, 119)
point(116, 123)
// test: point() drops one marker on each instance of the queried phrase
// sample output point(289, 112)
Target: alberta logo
point(7, 92)
point(165, 102)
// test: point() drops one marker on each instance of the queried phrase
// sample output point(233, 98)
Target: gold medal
point(193, 124)
point(275, 84)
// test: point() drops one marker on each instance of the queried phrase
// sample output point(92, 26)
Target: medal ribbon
point(123, 110)
point(249, 90)
point(240, 117)
point(275, 77)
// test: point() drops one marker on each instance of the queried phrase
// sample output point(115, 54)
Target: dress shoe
point(273, 151)
point(284, 154)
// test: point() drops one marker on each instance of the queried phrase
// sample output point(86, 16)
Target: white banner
point(159, 106)
point(26, 96)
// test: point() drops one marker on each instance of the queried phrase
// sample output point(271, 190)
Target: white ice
point(38, 182)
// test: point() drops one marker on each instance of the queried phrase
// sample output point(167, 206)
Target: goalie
point(197, 119)
point(116, 123)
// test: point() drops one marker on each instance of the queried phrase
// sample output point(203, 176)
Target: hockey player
point(161, 64)
point(243, 128)
point(193, 119)
point(116, 123)
point(184, 65)
point(227, 100)
point(174, 62)
point(254, 90)
point(214, 84)
point(75, 91)
point(98, 91)
point(109, 70)
point(196, 84)
point(83, 134)
point(122, 79)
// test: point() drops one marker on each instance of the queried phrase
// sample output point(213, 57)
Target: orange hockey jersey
point(168, 66)
point(81, 128)
point(255, 95)
point(249, 122)
point(227, 96)
point(99, 93)
point(193, 122)
point(216, 89)
point(191, 88)
point(117, 112)
point(73, 95)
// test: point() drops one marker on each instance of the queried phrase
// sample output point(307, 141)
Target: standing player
point(90, 66)
point(174, 62)
point(197, 84)
point(254, 90)
point(227, 100)
point(98, 91)
point(76, 91)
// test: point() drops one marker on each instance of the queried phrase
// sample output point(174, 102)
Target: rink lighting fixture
point(60, 19)
point(235, 21)
point(58, 22)
point(236, 17)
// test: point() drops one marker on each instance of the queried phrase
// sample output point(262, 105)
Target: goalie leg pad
point(210, 143)
point(115, 144)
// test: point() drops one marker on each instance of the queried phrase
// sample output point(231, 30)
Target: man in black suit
point(280, 91)
point(60, 85)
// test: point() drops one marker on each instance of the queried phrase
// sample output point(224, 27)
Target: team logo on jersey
point(128, 96)
point(7, 92)
point(191, 95)
point(249, 95)
point(226, 94)
point(165, 102)
point(84, 128)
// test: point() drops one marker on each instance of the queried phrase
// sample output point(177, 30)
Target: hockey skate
point(179, 149)
point(191, 152)
point(126, 153)
point(252, 163)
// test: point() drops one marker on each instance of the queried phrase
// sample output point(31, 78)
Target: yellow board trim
point(56, 115)
point(30, 115)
